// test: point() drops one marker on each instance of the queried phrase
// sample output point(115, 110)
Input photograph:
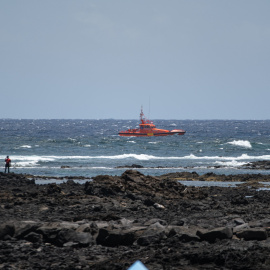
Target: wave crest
point(241, 143)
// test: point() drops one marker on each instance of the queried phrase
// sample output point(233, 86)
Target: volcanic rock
point(111, 221)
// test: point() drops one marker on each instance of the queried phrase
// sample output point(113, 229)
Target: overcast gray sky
point(95, 59)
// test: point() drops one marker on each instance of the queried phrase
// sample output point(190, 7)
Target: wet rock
point(133, 166)
point(258, 165)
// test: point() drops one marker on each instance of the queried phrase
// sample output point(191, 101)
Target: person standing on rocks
point(7, 165)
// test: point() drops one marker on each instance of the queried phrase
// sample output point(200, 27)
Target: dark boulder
point(24, 228)
point(252, 234)
point(115, 237)
point(82, 239)
point(183, 234)
point(33, 237)
point(6, 230)
point(218, 233)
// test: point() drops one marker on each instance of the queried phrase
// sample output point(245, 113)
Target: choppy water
point(93, 147)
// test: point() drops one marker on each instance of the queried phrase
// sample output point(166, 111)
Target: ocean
point(92, 147)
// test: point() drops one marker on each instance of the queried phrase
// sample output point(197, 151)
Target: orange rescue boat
point(147, 129)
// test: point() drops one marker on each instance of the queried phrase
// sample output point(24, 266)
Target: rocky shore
point(112, 221)
point(255, 165)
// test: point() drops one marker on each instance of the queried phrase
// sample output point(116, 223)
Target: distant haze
point(179, 59)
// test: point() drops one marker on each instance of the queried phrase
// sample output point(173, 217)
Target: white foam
point(25, 164)
point(232, 163)
point(126, 156)
point(26, 161)
point(26, 146)
point(33, 158)
point(241, 143)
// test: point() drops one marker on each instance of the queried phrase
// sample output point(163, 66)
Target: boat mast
point(142, 116)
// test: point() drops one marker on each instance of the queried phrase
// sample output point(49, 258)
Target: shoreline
point(113, 221)
point(209, 176)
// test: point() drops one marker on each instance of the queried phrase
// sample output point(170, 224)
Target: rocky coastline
point(112, 221)
point(255, 165)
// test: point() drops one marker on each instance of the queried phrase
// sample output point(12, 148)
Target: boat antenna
point(142, 117)
point(149, 109)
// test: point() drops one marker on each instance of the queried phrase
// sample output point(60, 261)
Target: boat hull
point(150, 133)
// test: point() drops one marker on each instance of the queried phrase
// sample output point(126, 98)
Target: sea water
point(93, 147)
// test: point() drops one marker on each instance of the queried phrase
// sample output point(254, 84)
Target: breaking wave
point(241, 143)
point(34, 160)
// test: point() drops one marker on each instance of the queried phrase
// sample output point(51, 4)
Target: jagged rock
point(260, 223)
point(71, 236)
point(68, 225)
point(49, 233)
point(114, 238)
point(238, 221)
point(53, 188)
point(151, 237)
point(183, 234)
point(156, 223)
point(132, 175)
point(88, 227)
point(97, 187)
point(6, 230)
point(258, 165)
point(240, 227)
point(24, 228)
point(179, 222)
point(154, 234)
point(112, 221)
point(33, 237)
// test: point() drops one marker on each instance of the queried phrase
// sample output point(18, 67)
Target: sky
point(100, 59)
